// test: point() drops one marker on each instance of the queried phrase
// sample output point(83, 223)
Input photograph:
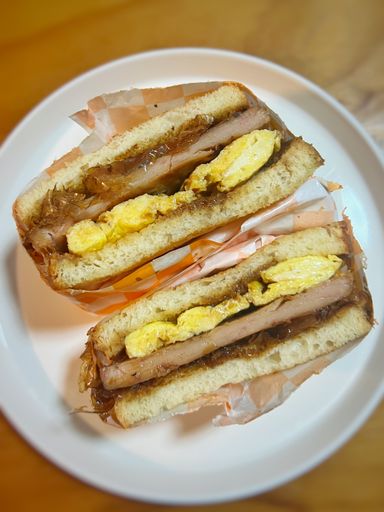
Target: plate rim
point(204, 50)
point(375, 398)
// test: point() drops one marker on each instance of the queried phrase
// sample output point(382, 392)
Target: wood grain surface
point(338, 44)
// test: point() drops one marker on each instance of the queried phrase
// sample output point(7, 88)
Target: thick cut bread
point(294, 167)
point(145, 402)
point(109, 334)
point(217, 105)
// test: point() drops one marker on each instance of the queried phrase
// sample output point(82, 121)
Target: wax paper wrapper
point(111, 114)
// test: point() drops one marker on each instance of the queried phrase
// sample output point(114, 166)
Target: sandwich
point(300, 297)
point(220, 157)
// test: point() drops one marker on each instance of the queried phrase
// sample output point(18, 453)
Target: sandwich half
point(221, 156)
point(300, 297)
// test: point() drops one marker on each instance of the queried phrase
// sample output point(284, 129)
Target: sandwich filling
point(67, 218)
point(286, 278)
point(295, 288)
point(236, 163)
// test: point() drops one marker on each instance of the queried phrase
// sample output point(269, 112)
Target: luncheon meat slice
point(165, 173)
point(125, 179)
point(167, 359)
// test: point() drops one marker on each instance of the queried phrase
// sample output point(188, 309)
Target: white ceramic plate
point(184, 460)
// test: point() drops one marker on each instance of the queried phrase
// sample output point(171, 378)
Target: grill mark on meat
point(167, 359)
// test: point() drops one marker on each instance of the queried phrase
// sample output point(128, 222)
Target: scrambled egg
point(192, 322)
point(292, 276)
point(126, 217)
point(286, 278)
point(236, 163)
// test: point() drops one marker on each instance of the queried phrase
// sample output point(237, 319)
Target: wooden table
point(339, 44)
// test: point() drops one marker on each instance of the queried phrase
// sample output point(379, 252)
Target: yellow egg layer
point(126, 217)
point(192, 322)
point(292, 276)
point(236, 163)
point(286, 278)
